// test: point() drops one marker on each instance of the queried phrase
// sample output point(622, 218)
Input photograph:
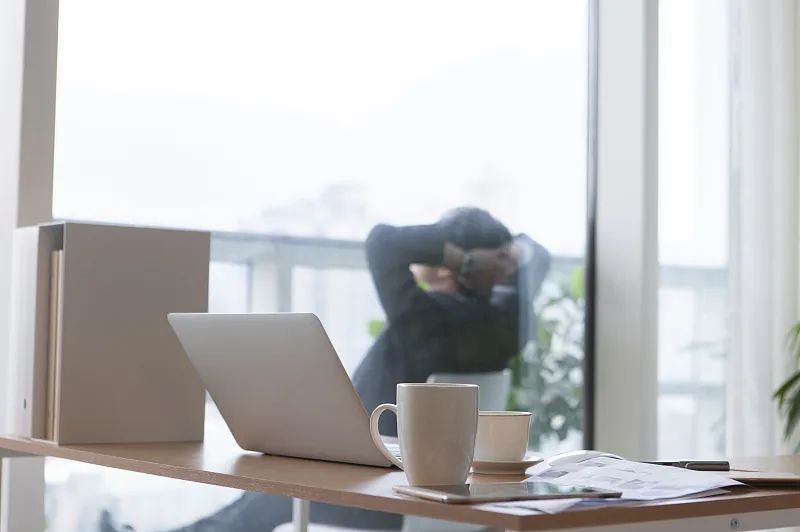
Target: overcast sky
point(207, 114)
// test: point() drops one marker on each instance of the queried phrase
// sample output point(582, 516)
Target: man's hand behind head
point(489, 267)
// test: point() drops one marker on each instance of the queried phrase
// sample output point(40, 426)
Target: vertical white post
point(301, 511)
point(271, 282)
point(28, 47)
point(37, 131)
point(627, 228)
point(264, 285)
point(12, 15)
point(22, 495)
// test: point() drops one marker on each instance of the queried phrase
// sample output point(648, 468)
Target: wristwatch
point(467, 262)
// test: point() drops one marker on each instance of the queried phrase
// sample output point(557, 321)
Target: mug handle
point(376, 436)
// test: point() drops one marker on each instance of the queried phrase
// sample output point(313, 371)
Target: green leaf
point(554, 302)
point(375, 327)
point(792, 416)
point(780, 393)
point(794, 341)
point(788, 395)
point(576, 282)
point(543, 336)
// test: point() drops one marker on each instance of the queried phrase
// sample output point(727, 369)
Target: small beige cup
point(502, 436)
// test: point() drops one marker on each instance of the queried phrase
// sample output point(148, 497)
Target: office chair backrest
point(495, 386)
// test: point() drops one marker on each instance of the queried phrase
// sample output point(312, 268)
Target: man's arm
point(517, 295)
point(533, 263)
point(390, 252)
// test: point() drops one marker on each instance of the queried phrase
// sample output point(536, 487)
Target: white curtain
point(764, 221)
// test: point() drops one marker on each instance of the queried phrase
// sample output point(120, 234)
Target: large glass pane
point(293, 128)
point(693, 226)
point(323, 118)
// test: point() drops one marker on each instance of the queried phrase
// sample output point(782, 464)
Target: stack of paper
point(636, 481)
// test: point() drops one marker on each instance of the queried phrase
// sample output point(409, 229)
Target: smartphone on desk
point(503, 491)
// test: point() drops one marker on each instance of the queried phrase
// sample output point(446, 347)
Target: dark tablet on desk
point(505, 491)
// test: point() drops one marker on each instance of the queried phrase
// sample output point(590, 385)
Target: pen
point(697, 465)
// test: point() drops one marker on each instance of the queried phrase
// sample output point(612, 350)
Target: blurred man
point(457, 296)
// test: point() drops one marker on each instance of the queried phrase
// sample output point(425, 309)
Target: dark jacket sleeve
point(518, 294)
point(534, 268)
point(390, 252)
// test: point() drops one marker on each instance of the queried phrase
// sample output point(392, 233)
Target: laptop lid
point(279, 384)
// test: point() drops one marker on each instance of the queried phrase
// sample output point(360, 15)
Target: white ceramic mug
point(502, 436)
point(436, 426)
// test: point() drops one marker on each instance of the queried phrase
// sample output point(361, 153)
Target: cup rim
point(503, 413)
point(435, 385)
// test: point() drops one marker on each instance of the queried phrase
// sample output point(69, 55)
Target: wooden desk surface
point(224, 464)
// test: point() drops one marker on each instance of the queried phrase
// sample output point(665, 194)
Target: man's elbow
point(377, 239)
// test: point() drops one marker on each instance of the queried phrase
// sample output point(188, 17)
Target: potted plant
point(788, 395)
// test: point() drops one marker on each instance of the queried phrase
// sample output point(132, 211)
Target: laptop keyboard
point(393, 448)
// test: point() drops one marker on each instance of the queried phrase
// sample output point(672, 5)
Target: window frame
point(626, 231)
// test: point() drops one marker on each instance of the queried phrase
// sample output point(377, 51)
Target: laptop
point(279, 385)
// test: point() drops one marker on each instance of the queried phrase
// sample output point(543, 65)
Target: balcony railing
point(271, 260)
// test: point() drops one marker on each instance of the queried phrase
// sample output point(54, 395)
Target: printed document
point(636, 481)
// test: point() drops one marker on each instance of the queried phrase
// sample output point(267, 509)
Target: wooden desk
point(224, 464)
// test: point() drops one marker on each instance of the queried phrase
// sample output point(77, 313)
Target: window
point(291, 128)
point(693, 226)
